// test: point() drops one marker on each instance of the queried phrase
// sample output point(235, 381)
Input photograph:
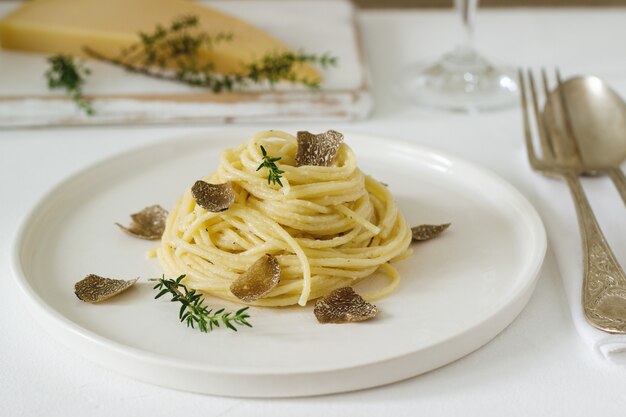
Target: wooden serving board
point(119, 97)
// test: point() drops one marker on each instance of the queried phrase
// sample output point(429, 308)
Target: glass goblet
point(462, 79)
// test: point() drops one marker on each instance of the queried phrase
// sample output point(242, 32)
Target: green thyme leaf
point(194, 312)
point(66, 73)
point(274, 173)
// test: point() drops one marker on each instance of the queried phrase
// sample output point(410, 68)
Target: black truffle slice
point(213, 197)
point(94, 288)
point(428, 231)
point(318, 150)
point(258, 280)
point(343, 305)
point(148, 224)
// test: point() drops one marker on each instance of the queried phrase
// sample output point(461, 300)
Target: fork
point(604, 281)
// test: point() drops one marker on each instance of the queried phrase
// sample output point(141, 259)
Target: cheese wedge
point(107, 26)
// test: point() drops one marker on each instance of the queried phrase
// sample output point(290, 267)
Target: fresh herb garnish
point(193, 312)
point(270, 163)
point(181, 42)
point(68, 74)
point(280, 67)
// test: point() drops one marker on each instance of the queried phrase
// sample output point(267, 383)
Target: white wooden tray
point(316, 26)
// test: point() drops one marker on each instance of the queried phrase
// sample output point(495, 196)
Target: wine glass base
point(460, 81)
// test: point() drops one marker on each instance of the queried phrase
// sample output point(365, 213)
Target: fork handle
point(619, 180)
point(604, 282)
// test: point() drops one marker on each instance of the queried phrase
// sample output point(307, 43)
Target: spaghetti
point(328, 226)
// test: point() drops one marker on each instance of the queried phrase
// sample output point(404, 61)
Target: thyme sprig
point(181, 42)
point(66, 73)
point(277, 67)
point(193, 312)
point(274, 173)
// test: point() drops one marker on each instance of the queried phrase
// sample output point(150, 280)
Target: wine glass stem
point(467, 11)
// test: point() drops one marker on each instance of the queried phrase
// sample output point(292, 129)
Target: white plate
point(457, 292)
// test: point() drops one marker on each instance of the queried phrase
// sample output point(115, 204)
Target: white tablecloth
point(537, 366)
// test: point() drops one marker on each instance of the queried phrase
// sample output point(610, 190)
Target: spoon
point(589, 111)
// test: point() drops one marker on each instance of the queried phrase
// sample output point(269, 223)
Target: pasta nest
point(328, 226)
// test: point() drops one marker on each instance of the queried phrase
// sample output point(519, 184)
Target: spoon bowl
point(589, 111)
point(592, 117)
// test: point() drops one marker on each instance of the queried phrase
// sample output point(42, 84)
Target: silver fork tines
point(604, 281)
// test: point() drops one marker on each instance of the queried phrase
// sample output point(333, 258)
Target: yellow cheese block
point(107, 26)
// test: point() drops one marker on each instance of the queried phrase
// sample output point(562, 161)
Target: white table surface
point(537, 366)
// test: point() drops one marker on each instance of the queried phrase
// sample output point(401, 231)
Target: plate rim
point(520, 295)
